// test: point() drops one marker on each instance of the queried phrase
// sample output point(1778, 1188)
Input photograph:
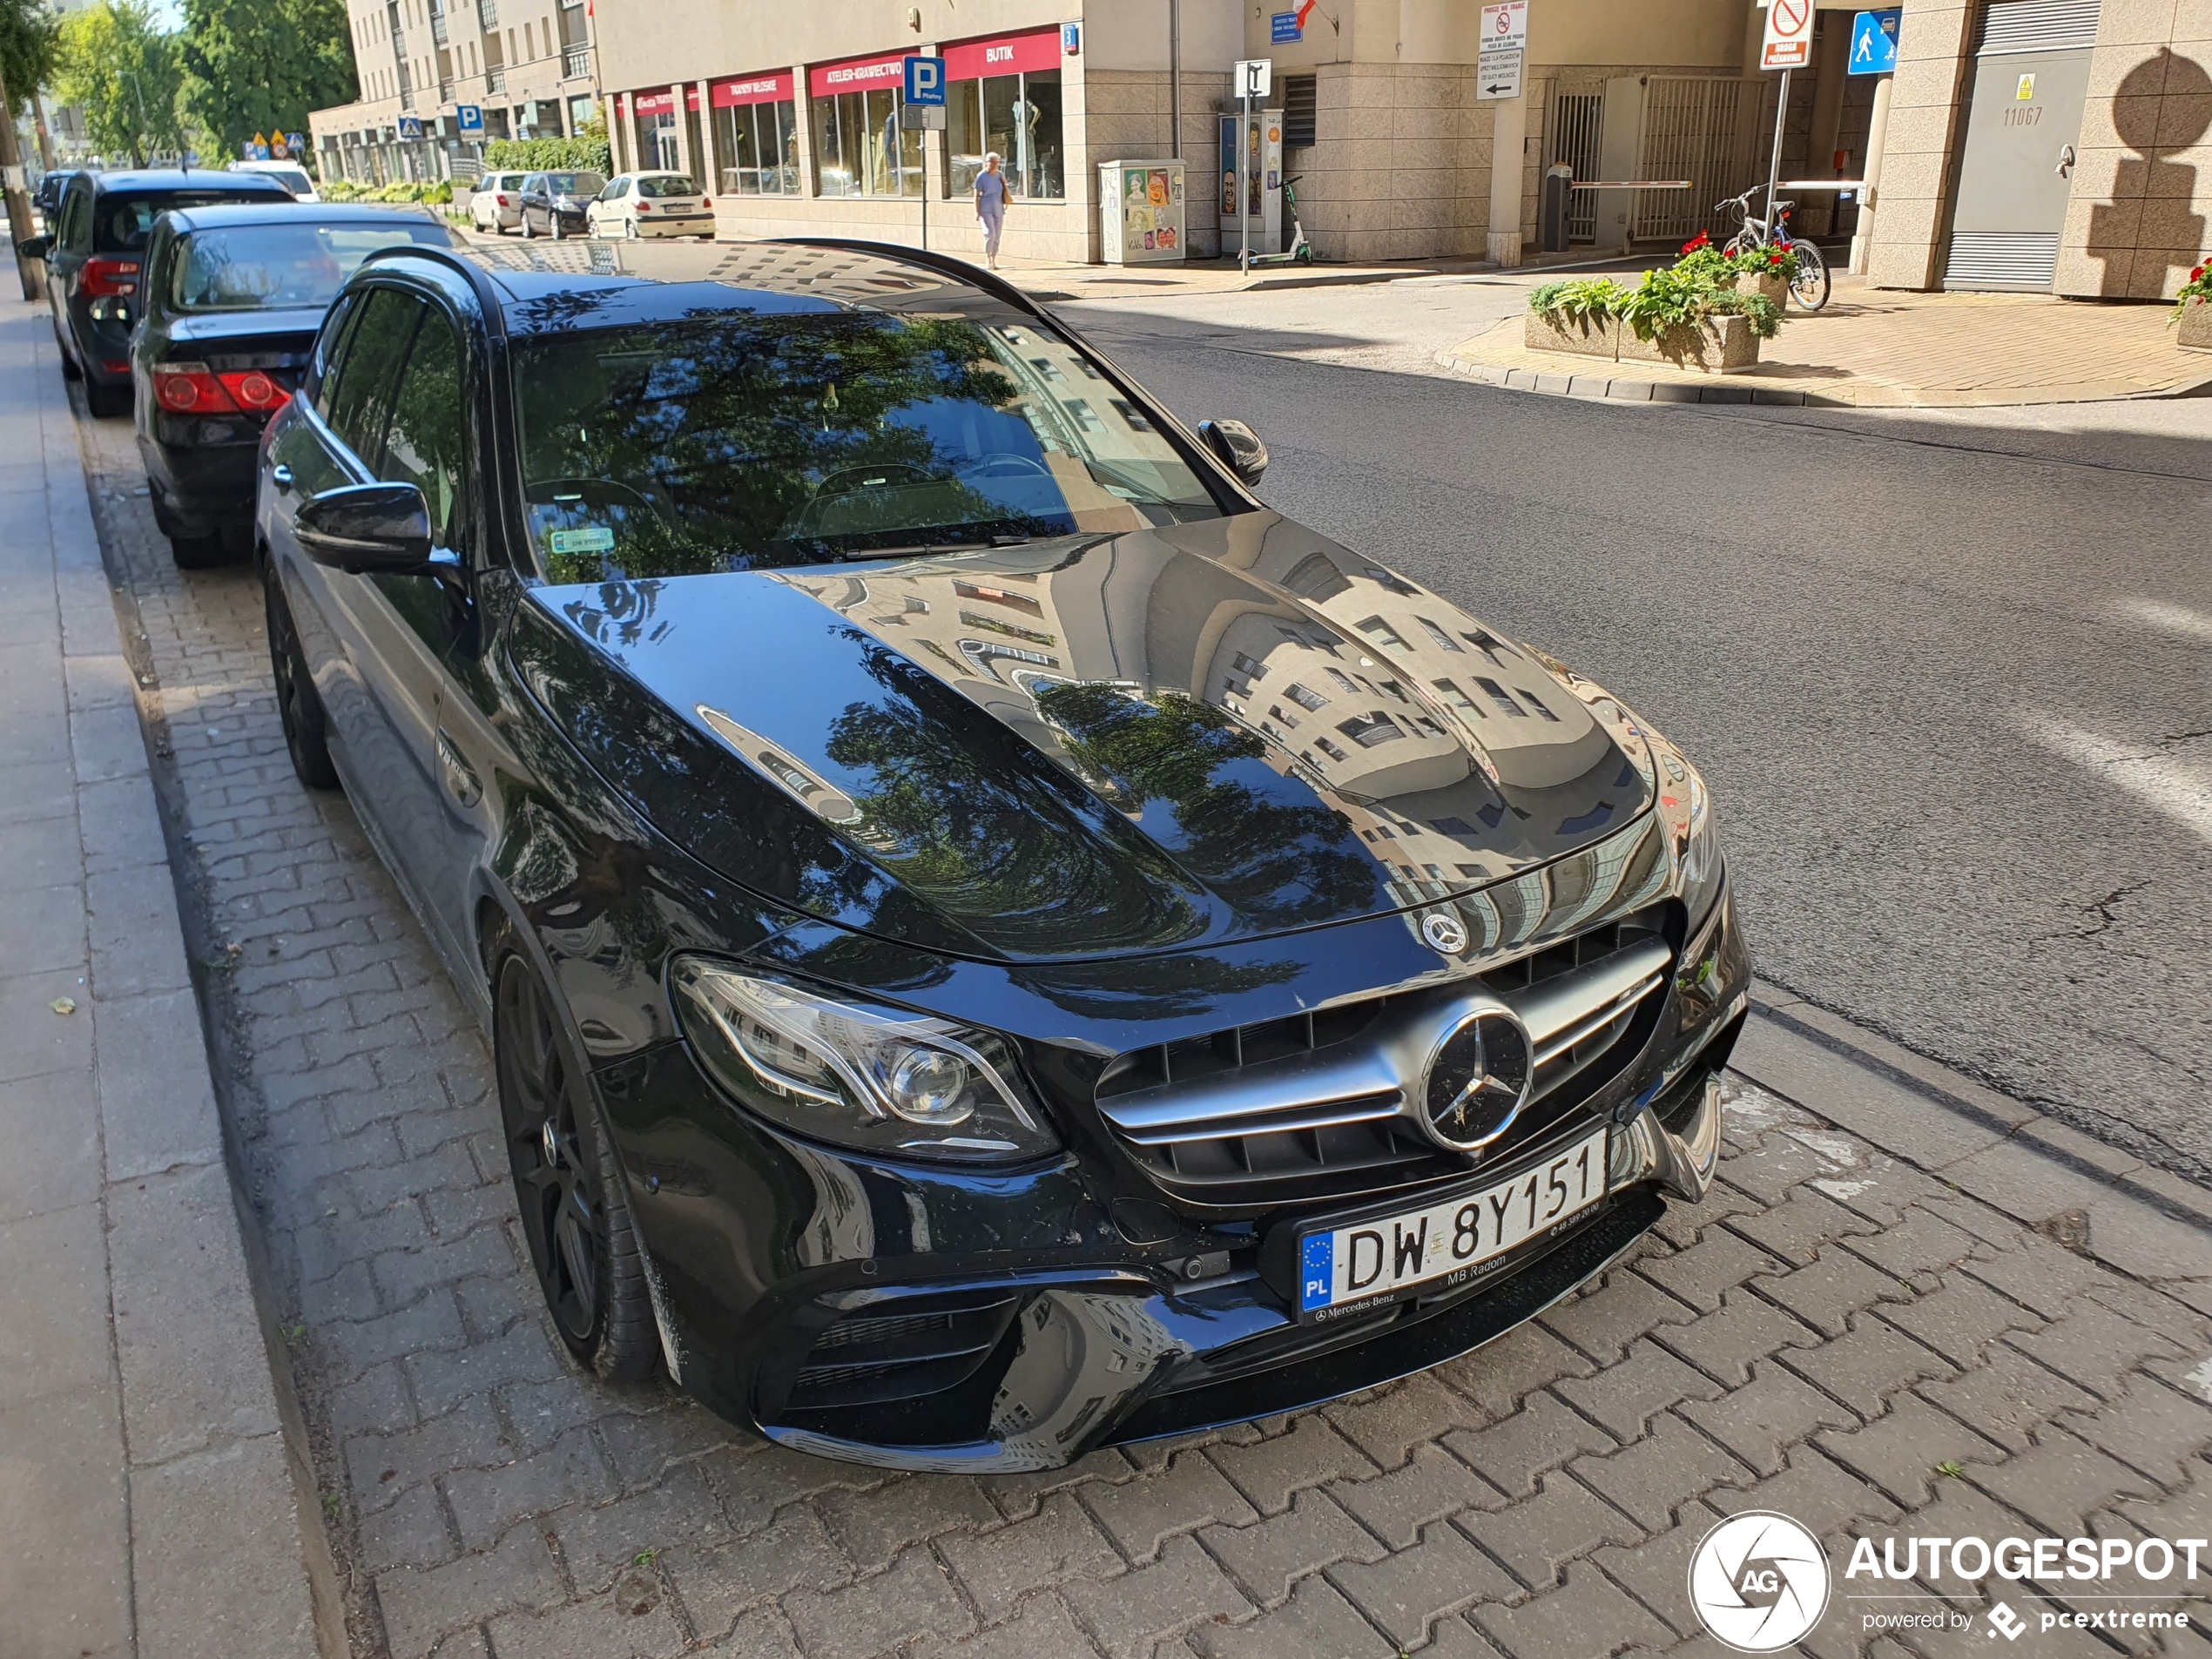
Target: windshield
point(121, 224)
point(751, 443)
point(263, 267)
point(667, 183)
point(574, 184)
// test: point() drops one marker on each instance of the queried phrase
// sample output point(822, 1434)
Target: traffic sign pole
point(1774, 166)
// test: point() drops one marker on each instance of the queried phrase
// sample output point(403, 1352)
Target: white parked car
point(652, 204)
point(290, 174)
point(495, 205)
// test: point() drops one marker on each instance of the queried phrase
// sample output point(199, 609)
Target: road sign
point(278, 150)
point(926, 81)
point(298, 141)
point(410, 126)
point(1504, 43)
point(469, 118)
point(1250, 77)
point(1788, 42)
point(1873, 42)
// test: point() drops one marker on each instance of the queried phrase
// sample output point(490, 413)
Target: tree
point(117, 67)
point(259, 66)
point(30, 35)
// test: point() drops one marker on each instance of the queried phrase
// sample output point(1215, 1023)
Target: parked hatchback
point(495, 205)
point(636, 204)
point(232, 298)
point(557, 204)
point(93, 258)
point(996, 942)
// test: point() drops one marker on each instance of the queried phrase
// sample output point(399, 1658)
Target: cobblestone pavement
point(1835, 1335)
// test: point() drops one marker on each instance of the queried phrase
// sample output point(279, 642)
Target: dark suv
point(92, 258)
point(996, 942)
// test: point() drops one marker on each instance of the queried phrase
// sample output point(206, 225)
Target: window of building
point(755, 133)
point(1502, 698)
point(1444, 641)
point(860, 148)
point(1386, 635)
point(1299, 98)
point(1303, 697)
point(1369, 730)
point(1003, 96)
point(1459, 702)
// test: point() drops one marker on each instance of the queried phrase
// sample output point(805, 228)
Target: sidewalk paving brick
point(1832, 1326)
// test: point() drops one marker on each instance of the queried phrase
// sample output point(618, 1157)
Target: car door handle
point(280, 475)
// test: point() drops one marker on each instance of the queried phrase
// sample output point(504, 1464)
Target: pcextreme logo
point(1760, 1581)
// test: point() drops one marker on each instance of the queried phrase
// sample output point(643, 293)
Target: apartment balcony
point(488, 14)
point(445, 91)
point(495, 80)
point(575, 63)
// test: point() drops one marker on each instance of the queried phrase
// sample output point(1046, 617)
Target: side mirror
point(368, 529)
point(33, 247)
point(1237, 447)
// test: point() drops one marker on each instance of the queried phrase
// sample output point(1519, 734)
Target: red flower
point(1696, 242)
point(2197, 275)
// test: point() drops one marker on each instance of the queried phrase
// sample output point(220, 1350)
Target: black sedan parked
point(92, 260)
point(996, 942)
point(555, 204)
point(234, 297)
point(47, 199)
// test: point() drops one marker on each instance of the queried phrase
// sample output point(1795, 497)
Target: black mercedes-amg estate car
point(996, 942)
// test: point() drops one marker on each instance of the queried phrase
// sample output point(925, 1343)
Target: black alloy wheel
point(567, 1188)
point(306, 728)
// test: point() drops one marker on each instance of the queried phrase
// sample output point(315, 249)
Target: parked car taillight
point(706, 201)
point(645, 207)
point(500, 200)
point(190, 388)
point(102, 279)
point(254, 390)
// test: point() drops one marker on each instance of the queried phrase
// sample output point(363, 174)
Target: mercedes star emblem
point(1479, 1080)
point(1445, 933)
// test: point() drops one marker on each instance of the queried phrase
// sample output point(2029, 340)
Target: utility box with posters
point(1255, 167)
point(1140, 212)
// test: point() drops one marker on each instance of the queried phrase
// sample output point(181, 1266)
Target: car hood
point(1103, 744)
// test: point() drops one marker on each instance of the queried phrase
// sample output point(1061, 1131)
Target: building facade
point(2036, 144)
point(526, 64)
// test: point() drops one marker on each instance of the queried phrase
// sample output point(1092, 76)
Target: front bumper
point(960, 1320)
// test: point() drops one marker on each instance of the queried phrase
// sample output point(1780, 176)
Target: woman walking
point(990, 206)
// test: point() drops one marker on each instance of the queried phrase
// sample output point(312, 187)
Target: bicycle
point(1810, 287)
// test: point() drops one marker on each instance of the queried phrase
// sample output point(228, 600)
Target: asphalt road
point(1950, 676)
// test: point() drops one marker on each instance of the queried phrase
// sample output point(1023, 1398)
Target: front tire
point(306, 728)
point(1810, 288)
point(567, 1185)
point(529, 231)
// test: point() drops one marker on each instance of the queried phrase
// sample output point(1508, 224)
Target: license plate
point(1348, 1267)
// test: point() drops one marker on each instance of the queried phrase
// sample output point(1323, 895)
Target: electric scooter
point(1300, 250)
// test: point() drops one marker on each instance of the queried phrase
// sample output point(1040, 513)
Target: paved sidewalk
point(146, 1500)
point(1909, 1306)
point(1880, 348)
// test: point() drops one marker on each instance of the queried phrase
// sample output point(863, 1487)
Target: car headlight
point(1701, 869)
point(859, 1075)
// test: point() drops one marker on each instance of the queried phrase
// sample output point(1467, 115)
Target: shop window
point(759, 144)
point(859, 149)
point(1016, 116)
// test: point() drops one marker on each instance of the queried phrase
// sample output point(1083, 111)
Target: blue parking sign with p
point(925, 80)
point(469, 118)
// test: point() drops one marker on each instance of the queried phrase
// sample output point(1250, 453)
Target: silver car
point(496, 204)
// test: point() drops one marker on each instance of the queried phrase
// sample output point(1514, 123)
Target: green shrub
point(1701, 284)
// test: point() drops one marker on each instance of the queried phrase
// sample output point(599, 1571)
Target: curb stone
point(226, 1541)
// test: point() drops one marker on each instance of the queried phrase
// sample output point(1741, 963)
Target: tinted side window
point(375, 350)
point(77, 220)
point(426, 444)
point(330, 351)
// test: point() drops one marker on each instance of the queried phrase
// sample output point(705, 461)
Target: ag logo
point(1445, 933)
point(1760, 1581)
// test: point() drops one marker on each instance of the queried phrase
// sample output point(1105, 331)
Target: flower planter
point(1721, 345)
point(1584, 336)
point(1773, 287)
point(2195, 327)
